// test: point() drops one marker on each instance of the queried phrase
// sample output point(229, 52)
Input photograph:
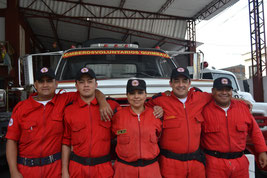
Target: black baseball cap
point(135, 84)
point(221, 82)
point(180, 71)
point(45, 71)
point(85, 71)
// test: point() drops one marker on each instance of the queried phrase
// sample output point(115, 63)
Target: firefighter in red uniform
point(227, 123)
point(180, 139)
point(35, 130)
point(88, 136)
point(137, 131)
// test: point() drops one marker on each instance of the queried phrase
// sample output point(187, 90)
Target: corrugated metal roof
point(76, 21)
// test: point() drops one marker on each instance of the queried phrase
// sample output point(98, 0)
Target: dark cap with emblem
point(222, 82)
point(85, 71)
point(47, 72)
point(180, 71)
point(135, 84)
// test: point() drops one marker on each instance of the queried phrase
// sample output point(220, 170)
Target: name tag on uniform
point(170, 117)
point(123, 131)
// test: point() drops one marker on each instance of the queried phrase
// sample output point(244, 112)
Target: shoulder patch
point(156, 95)
point(10, 123)
point(197, 89)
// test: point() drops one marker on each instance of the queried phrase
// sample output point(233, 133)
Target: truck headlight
point(2, 98)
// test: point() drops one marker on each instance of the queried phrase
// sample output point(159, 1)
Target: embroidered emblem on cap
point(84, 70)
point(10, 122)
point(224, 81)
point(135, 83)
point(180, 69)
point(44, 70)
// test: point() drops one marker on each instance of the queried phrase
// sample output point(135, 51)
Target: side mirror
point(246, 86)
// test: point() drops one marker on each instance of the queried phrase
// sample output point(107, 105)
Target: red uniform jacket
point(181, 122)
point(38, 128)
point(228, 132)
point(84, 130)
point(137, 135)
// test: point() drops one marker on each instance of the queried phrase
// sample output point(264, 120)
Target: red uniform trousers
point(227, 168)
point(171, 168)
point(123, 170)
point(89, 136)
point(227, 133)
point(47, 171)
point(181, 132)
point(137, 138)
point(77, 170)
point(38, 129)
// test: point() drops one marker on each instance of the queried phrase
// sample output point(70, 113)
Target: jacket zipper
point(42, 138)
point(138, 115)
point(91, 132)
point(227, 122)
point(188, 129)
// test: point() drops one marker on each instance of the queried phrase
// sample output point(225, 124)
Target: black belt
point(139, 162)
point(89, 161)
point(39, 161)
point(197, 155)
point(218, 154)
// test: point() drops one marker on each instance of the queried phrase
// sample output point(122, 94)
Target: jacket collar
point(82, 103)
point(53, 100)
point(232, 104)
point(133, 113)
point(189, 94)
point(31, 104)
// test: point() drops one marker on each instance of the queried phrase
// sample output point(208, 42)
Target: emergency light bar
point(101, 45)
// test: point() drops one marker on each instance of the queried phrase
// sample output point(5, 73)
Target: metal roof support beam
point(191, 31)
point(36, 41)
point(122, 3)
point(165, 6)
point(124, 38)
point(84, 22)
point(141, 34)
point(89, 30)
point(210, 9)
point(55, 33)
point(134, 14)
point(133, 32)
point(160, 43)
point(191, 36)
point(258, 46)
point(50, 37)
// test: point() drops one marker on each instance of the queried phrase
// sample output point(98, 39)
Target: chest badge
point(123, 131)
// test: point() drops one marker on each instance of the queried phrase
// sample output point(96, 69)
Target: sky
point(226, 36)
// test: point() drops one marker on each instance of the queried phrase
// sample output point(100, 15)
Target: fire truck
point(114, 64)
